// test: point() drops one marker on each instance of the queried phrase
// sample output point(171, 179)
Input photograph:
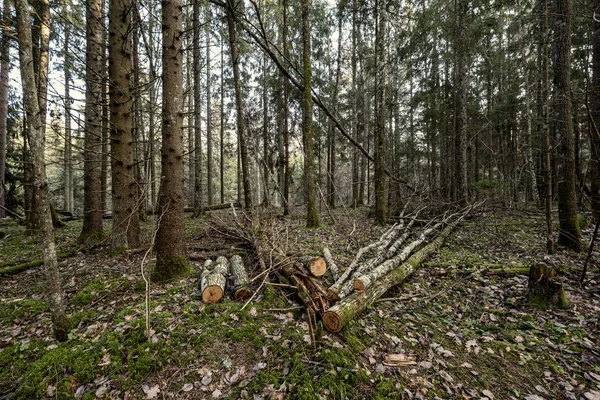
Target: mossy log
point(13, 268)
point(545, 291)
point(239, 278)
point(213, 283)
point(331, 263)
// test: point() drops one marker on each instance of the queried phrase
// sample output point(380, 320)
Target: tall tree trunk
point(105, 100)
point(125, 228)
point(209, 139)
point(570, 233)
point(460, 133)
point(265, 104)
point(170, 236)
point(239, 102)
point(191, 115)
point(312, 218)
point(332, 152)
point(380, 112)
point(355, 125)
point(68, 154)
point(545, 108)
point(285, 161)
point(60, 321)
point(531, 181)
point(138, 126)
point(595, 111)
point(94, 103)
point(151, 116)
point(198, 187)
point(4, 68)
point(222, 133)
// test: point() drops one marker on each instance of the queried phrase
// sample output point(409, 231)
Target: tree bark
point(380, 112)
point(125, 228)
point(198, 187)
point(231, 9)
point(460, 134)
point(209, 139)
point(213, 284)
point(60, 321)
point(4, 69)
point(239, 278)
point(94, 103)
point(570, 233)
point(312, 218)
point(170, 236)
point(68, 155)
point(595, 112)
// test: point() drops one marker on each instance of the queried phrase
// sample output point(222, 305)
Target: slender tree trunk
point(545, 94)
point(198, 187)
point(570, 233)
point(461, 191)
point(332, 151)
point(312, 218)
point(380, 112)
point(60, 321)
point(209, 139)
point(125, 202)
point(4, 69)
point(151, 116)
point(266, 139)
point(94, 103)
point(170, 236)
point(68, 165)
point(595, 111)
point(138, 127)
point(105, 100)
point(241, 125)
point(222, 133)
point(532, 181)
point(191, 116)
point(285, 161)
point(355, 153)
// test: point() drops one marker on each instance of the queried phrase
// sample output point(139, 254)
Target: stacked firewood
point(391, 259)
point(221, 275)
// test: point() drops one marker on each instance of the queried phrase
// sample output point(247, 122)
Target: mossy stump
point(545, 291)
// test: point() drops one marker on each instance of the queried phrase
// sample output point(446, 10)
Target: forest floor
point(472, 334)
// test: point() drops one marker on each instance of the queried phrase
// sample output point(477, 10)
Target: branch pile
point(392, 258)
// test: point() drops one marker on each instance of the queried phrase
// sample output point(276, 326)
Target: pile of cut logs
point(392, 258)
point(214, 282)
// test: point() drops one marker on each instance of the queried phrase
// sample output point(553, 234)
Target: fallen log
point(331, 263)
point(316, 265)
point(14, 268)
point(213, 284)
point(338, 316)
point(239, 278)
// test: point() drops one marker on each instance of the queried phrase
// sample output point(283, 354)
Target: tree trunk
point(312, 218)
point(461, 191)
point(198, 188)
point(285, 160)
point(94, 103)
point(222, 133)
point(61, 323)
point(4, 69)
point(355, 153)
point(595, 112)
point(331, 190)
point(125, 228)
point(239, 102)
point(380, 115)
point(265, 134)
point(170, 236)
point(209, 139)
point(570, 233)
point(68, 155)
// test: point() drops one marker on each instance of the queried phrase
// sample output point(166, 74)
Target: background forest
point(151, 152)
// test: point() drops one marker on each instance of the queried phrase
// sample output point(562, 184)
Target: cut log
point(338, 316)
point(331, 263)
point(318, 267)
point(364, 281)
point(239, 278)
point(213, 283)
point(545, 291)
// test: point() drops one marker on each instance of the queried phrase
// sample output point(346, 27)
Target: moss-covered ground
point(473, 334)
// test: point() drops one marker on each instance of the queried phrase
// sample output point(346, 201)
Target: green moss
point(83, 298)
point(169, 268)
point(20, 309)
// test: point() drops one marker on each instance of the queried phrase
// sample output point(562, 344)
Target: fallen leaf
point(188, 387)
point(488, 394)
point(101, 391)
point(151, 392)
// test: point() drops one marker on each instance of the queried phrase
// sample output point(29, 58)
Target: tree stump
point(545, 291)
